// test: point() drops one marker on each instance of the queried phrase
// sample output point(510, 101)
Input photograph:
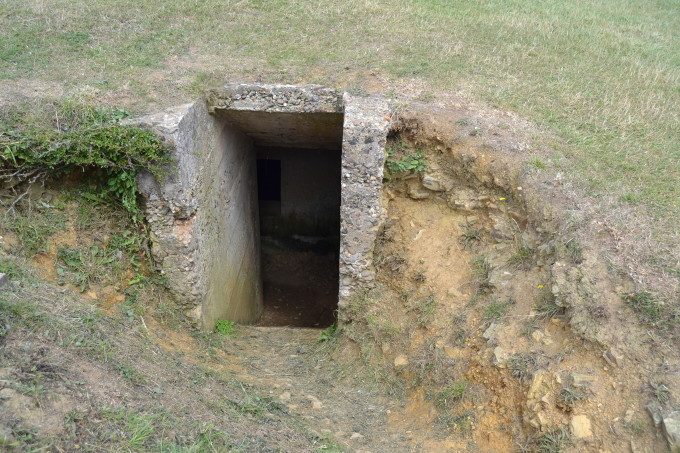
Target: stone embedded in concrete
point(203, 216)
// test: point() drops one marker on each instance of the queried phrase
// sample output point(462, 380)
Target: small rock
point(400, 360)
point(356, 436)
point(4, 280)
point(491, 331)
point(582, 380)
point(628, 419)
point(671, 428)
point(472, 219)
point(656, 412)
point(500, 357)
point(537, 336)
point(432, 183)
point(613, 357)
point(285, 396)
point(417, 191)
point(580, 427)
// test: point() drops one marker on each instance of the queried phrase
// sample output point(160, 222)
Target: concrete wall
point(310, 188)
point(203, 217)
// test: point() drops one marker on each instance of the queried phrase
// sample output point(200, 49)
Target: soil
point(300, 289)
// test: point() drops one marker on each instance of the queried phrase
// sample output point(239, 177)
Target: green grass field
point(603, 76)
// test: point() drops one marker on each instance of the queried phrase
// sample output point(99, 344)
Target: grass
point(497, 309)
point(553, 441)
point(522, 365)
point(570, 394)
point(451, 394)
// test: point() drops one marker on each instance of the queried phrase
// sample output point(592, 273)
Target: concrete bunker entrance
point(297, 161)
point(272, 211)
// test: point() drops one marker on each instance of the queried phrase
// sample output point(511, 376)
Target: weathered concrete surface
point(367, 122)
point(203, 217)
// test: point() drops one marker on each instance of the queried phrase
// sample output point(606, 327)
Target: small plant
point(660, 391)
point(400, 160)
point(545, 307)
point(326, 443)
point(225, 327)
point(569, 395)
point(537, 163)
point(329, 333)
point(84, 266)
point(522, 365)
point(33, 227)
point(481, 269)
point(646, 306)
point(425, 310)
point(452, 393)
point(554, 441)
point(471, 235)
point(523, 258)
point(497, 309)
point(575, 251)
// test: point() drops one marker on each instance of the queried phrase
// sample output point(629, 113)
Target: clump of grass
point(660, 391)
point(522, 365)
point(425, 310)
point(569, 395)
point(84, 266)
point(225, 327)
point(496, 309)
point(646, 306)
point(481, 269)
point(523, 258)
point(471, 236)
point(545, 307)
point(575, 251)
point(452, 393)
point(33, 225)
point(553, 441)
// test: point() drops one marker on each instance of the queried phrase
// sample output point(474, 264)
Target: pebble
point(580, 427)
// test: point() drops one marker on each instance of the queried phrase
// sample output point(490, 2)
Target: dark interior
point(299, 206)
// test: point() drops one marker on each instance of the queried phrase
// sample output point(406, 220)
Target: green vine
point(87, 138)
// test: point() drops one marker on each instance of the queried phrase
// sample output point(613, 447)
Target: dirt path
point(338, 403)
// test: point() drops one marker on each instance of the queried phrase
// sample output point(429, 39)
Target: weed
point(523, 258)
point(326, 443)
point(537, 163)
point(459, 336)
point(496, 309)
point(575, 251)
point(522, 365)
point(84, 266)
point(569, 395)
point(553, 441)
point(452, 393)
point(33, 226)
point(330, 333)
point(471, 235)
point(660, 391)
point(225, 327)
point(400, 160)
point(425, 310)
point(545, 307)
point(85, 137)
point(458, 423)
point(481, 269)
point(131, 375)
point(646, 306)
point(637, 428)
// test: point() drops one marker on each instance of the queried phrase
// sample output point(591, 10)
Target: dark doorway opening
point(299, 206)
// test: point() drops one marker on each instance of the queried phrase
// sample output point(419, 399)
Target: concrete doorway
point(299, 207)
